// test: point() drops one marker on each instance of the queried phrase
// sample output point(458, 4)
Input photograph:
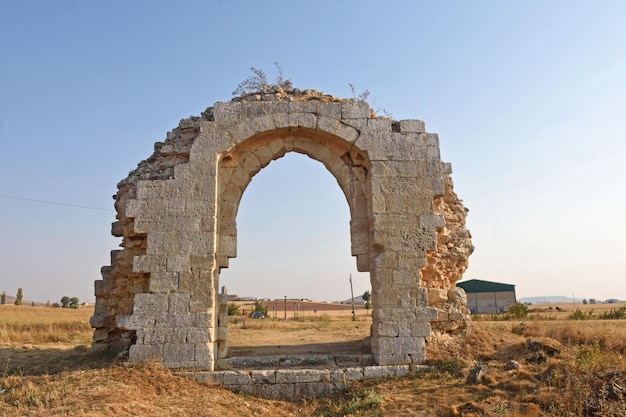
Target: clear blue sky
point(528, 99)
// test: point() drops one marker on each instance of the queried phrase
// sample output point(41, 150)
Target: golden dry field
point(567, 368)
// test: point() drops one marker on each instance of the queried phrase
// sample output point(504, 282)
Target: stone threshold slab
point(294, 384)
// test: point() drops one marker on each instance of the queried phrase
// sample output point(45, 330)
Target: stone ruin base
point(295, 384)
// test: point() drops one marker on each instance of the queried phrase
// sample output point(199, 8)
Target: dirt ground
point(567, 368)
point(261, 337)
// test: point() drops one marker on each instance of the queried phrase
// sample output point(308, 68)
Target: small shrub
point(581, 315)
point(451, 365)
point(590, 358)
point(360, 401)
point(614, 314)
point(518, 310)
point(258, 82)
point(233, 309)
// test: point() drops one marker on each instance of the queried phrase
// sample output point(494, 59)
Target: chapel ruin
point(176, 215)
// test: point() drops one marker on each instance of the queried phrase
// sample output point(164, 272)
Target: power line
point(54, 203)
point(282, 271)
point(103, 209)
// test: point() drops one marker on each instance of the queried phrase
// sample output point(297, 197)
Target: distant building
point(486, 297)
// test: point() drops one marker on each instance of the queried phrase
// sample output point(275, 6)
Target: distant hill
point(554, 299)
point(358, 300)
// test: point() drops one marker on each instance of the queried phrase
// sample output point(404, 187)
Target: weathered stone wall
point(176, 214)
point(446, 264)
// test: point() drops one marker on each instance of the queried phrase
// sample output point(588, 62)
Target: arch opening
point(344, 183)
point(293, 222)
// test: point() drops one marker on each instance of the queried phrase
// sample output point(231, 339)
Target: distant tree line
point(66, 302)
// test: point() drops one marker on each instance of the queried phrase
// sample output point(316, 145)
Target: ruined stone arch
point(176, 215)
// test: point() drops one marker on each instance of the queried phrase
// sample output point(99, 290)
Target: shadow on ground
point(32, 360)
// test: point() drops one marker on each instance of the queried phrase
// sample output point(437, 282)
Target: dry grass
point(26, 324)
point(567, 374)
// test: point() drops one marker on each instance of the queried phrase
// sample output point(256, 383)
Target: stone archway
point(177, 217)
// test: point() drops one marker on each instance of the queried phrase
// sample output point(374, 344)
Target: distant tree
point(233, 309)
point(367, 296)
point(74, 302)
point(65, 301)
point(584, 301)
point(18, 297)
point(32, 304)
point(592, 301)
point(56, 305)
point(3, 298)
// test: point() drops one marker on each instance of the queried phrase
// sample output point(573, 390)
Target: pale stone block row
point(296, 384)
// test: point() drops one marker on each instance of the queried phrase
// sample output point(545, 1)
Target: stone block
point(284, 376)
point(243, 388)
point(436, 296)
point(386, 329)
point(222, 334)
point(420, 329)
point(198, 336)
point(237, 378)
point(176, 263)
point(117, 229)
point(178, 303)
point(163, 282)
point(431, 221)
point(457, 295)
point(150, 303)
point(377, 372)
point(227, 111)
point(135, 322)
point(149, 263)
point(263, 377)
point(180, 352)
point(98, 321)
point(355, 109)
point(426, 314)
point(212, 378)
point(306, 120)
point(354, 374)
point(101, 287)
point(411, 126)
point(329, 109)
point(202, 353)
point(263, 123)
point(312, 390)
point(145, 353)
point(400, 370)
point(275, 391)
point(383, 125)
point(304, 107)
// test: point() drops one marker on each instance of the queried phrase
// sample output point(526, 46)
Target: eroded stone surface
point(176, 215)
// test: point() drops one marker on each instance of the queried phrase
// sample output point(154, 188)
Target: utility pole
point(352, 294)
point(285, 308)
